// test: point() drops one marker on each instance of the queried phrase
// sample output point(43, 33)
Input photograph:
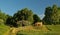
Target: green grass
point(3, 29)
point(31, 30)
point(53, 30)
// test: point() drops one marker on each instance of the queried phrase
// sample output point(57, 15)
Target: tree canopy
point(36, 18)
point(52, 15)
point(3, 17)
point(24, 15)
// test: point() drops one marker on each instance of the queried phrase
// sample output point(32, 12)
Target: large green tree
point(47, 18)
point(24, 14)
point(51, 15)
point(55, 15)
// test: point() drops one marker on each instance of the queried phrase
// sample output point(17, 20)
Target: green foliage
point(48, 12)
point(22, 17)
point(55, 15)
point(52, 15)
point(36, 18)
point(24, 14)
point(8, 21)
point(11, 22)
point(3, 17)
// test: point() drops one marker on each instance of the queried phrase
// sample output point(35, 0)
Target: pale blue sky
point(37, 6)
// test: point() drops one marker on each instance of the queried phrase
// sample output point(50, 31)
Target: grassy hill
point(54, 28)
point(30, 30)
point(51, 30)
point(3, 29)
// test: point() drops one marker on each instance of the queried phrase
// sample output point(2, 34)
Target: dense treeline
point(23, 17)
point(26, 17)
point(52, 15)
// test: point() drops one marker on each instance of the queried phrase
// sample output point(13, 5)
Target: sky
point(37, 6)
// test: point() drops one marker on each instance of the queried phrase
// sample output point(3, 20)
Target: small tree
point(36, 18)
